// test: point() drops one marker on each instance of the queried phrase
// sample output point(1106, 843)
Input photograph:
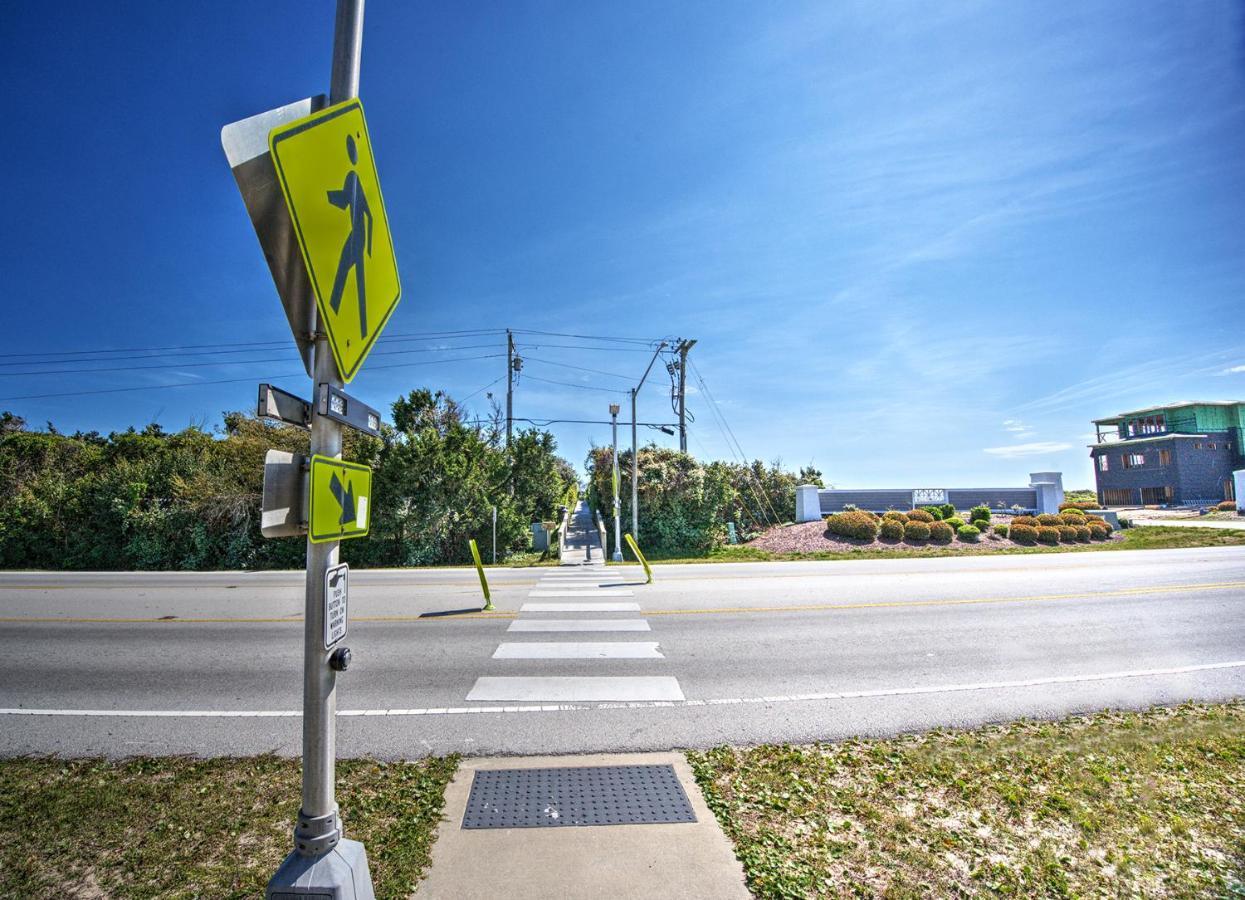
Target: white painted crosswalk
point(580, 607)
point(579, 650)
point(593, 591)
point(548, 626)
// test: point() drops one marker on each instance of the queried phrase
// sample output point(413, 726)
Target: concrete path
point(692, 861)
point(583, 542)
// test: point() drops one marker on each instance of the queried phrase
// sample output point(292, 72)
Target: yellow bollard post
point(475, 554)
point(648, 572)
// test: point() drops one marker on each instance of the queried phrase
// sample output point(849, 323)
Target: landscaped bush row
point(1071, 526)
point(1226, 506)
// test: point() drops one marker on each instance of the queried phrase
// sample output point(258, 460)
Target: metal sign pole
point(322, 864)
point(617, 555)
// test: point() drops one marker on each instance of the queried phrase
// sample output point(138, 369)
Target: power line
point(180, 384)
point(582, 387)
point(551, 362)
point(480, 390)
point(589, 337)
point(411, 335)
point(235, 362)
point(713, 405)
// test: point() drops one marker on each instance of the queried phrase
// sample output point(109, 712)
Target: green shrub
point(920, 515)
point(1067, 533)
point(1101, 523)
point(1226, 506)
point(916, 530)
point(1023, 534)
point(1048, 534)
point(858, 524)
point(948, 510)
point(979, 512)
point(1098, 533)
point(935, 511)
point(891, 529)
point(1077, 504)
point(1050, 520)
point(1001, 530)
point(1026, 520)
point(894, 515)
point(941, 532)
point(982, 525)
point(1082, 533)
point(956, 522)
point(1072, 518)
point(968, 533)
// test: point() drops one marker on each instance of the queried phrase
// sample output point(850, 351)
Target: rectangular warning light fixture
point(339, 406)
point(283, 406)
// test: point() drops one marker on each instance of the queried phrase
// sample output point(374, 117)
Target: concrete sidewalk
point(689, 861)
point(583, 541)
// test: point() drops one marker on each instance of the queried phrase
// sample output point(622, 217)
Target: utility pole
point(321, 861)
point(617, 555)
point(509, 386)
point(635, 450)
point(683, 348)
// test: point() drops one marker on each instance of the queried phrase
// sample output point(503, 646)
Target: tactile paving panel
point(588, 795)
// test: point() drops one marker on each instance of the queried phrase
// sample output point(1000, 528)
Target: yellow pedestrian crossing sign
point(339, 500)
point(328, 176)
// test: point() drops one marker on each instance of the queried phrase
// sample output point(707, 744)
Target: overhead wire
point(180, 384)
point(730, 433)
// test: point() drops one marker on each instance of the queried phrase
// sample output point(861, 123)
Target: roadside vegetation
point(1115, 804)
point(183, 828)
point(687, 507)
point(1150, 537)
point(190, 500)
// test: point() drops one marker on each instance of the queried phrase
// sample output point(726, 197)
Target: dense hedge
point(941, 532)
point(890, 529)
point(685, 504)
point(916, 530)
point(190, 500)
point(858, 524)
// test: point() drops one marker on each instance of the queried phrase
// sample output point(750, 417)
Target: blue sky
point(917, 243)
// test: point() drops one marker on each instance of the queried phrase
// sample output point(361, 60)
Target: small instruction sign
point(336, 596)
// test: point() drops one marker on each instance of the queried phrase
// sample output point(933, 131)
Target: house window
point(1134, 460)
point(1210, 446)
point(1197, 446)
point(1102, 463)
point(1165, 457)
point(1229, 489)
point(1118, 496)
point(1156, 495)
point(1150, 425)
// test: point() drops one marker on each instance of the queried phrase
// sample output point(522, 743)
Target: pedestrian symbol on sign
point(351, 197)
point(327, 173)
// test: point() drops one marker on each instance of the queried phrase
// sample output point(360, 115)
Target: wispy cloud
point(1037, 448)
point(1233, 370)
point(1018, 428)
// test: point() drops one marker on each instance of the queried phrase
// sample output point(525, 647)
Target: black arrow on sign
point(345, 496)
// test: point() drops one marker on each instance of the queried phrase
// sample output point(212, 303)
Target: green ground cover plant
point(186, 828)
point(1114, 804)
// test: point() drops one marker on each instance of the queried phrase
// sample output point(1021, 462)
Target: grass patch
point(1115, 804)
point(1148, 537)
point(177, 827)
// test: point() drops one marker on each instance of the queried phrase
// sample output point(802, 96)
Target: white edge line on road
point(654, 704)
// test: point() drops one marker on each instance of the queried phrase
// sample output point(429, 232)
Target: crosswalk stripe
point(577, 650)
point(555, 625)
point(577, 688)
point(598, 592)
point(580, 607)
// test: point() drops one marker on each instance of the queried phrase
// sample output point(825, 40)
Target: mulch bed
point(812, 537)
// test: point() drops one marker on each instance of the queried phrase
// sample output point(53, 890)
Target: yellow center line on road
point(808, 607)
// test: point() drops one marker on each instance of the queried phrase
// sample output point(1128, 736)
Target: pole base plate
point(339, 874)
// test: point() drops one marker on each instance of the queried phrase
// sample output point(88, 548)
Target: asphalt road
point(125, 663)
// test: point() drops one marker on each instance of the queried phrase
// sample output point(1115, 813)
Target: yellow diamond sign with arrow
point(339, 501)
point(328, 176)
